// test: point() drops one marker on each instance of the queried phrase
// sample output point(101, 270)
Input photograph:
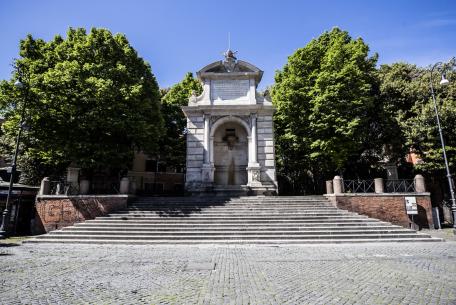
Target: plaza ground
point(374, 273)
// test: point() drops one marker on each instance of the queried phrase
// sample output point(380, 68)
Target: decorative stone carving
point(230, 63)
point(256, 175)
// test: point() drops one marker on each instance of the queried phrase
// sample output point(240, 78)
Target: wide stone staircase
point(242, 220)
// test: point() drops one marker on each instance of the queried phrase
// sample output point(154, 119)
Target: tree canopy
point(172, 147)
point(91, 100)
point(325, 95)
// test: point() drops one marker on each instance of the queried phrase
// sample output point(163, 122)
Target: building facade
point(230, 138)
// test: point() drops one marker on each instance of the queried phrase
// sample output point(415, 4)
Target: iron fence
point(359, 186)
point(400, 186)
point(62, 187)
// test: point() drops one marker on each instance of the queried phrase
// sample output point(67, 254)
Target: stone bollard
point(124, 185)
point(379, 186)
point(84, 187)
point(45, 188)
point(329, 187)
point(338, 185)
point(420, 185)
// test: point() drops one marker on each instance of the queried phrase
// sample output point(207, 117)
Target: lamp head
point(444, 81)
point(18, 84)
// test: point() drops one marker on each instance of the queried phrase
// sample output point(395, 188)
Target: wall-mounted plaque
point(229, 89)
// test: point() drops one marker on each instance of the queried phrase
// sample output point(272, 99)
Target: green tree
point(409, 112)
point(91, 100)
point(325, 96)
point(401, 87)
point(172, 147)
point(420, 127)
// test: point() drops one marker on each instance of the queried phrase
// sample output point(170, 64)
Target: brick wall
point(387, 207)
point(55, 212)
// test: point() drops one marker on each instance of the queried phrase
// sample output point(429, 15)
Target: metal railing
point(400, 186)
point(62, 187)
point(359, 186)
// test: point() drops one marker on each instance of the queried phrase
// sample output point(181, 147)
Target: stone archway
point(230, 151)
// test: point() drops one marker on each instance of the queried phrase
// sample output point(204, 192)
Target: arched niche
point(230, 143)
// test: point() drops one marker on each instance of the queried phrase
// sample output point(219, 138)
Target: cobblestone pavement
point(381, 273)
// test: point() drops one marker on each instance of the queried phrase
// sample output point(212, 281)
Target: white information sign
point(410, 206)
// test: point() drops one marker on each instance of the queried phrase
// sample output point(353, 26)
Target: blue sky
point(180, 36)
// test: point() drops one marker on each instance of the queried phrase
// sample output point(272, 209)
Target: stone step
point(201, 228)
point(194, 221)
point(230, 206)
point(231, 218)
point(242, 220)
point(220, 214)
point(281, 241)
point(234, 236)
point(230, 232)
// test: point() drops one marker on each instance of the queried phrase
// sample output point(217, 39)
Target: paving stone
point(375, 273)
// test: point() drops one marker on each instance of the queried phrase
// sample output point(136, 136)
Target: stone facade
point(230, 138)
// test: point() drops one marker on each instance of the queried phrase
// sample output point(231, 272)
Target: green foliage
point(90, 99)
point(325, 96)
point(406, 99)
point(172, 147)
point(421, 130)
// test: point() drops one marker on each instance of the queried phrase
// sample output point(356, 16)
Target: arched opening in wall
point(231, 150)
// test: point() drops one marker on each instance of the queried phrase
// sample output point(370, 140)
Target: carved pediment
point(221, 66)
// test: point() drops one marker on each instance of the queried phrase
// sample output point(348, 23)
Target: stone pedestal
point(254, 175)
point(207, 174)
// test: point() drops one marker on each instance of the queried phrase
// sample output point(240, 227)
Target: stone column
point(253, 120)
point(206, 138)
point(254, 168)
point(211, 150)
point(329, 187)
point(420, 185)
point(338, 185)
point(379, 186)
point(207, 171)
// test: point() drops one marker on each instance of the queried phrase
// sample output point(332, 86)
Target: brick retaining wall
point(54, 212)
point(387, 207)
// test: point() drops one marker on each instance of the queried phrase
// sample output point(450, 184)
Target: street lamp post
point(443, 67)
point(5, 216)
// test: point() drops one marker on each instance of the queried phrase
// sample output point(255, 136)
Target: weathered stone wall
point(55, 212)
point(387, 207)
point(266, 149)
point(195, 151)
